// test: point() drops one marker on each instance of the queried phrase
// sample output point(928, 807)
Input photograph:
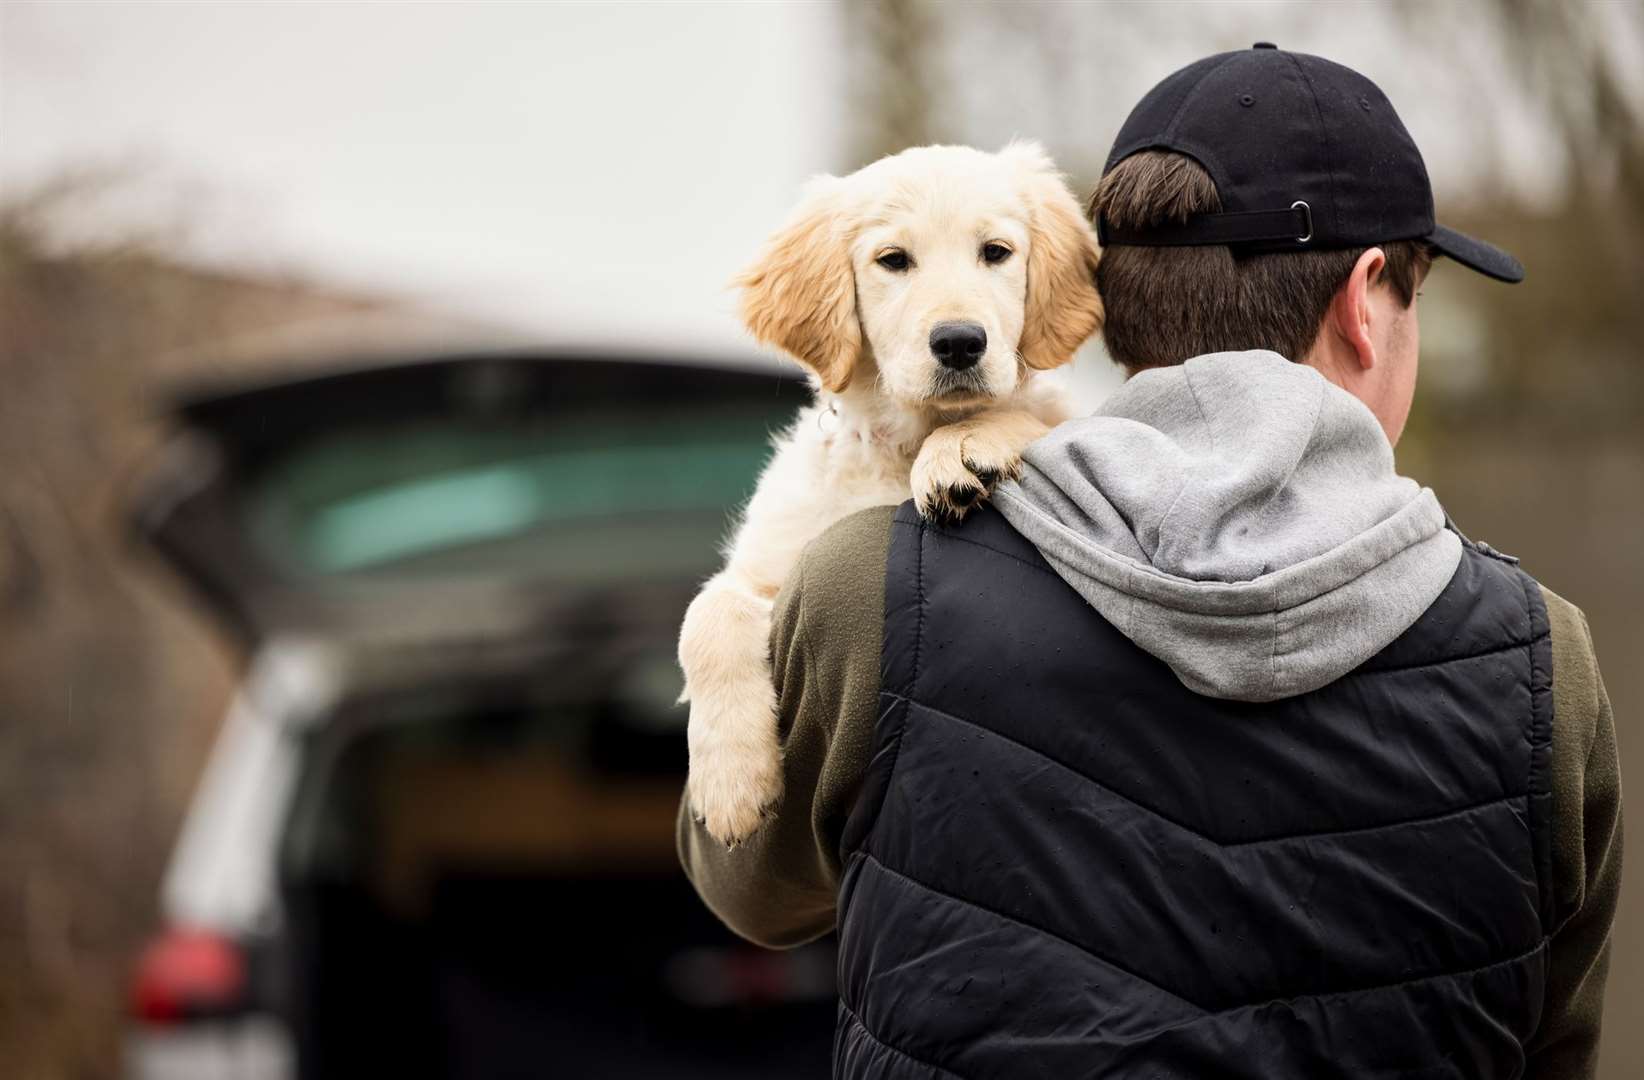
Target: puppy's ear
point(800, 294)
point(1063, 308)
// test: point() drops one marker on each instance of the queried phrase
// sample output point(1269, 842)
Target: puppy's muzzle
point(958, 345)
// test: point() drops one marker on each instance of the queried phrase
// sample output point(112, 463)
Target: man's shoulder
point(1561, 614)
point(838, 584)
point(1577, 684)
point(853, 548)
point(844, 567)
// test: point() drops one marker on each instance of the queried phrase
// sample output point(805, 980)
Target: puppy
point(921, 293)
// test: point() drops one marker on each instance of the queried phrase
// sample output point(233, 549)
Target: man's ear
point(1350, 310)
point(800, 294)
point(1063, 307)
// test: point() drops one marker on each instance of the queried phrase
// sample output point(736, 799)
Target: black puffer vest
point(1063, 863)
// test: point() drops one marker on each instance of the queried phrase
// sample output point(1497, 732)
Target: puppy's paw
point(954, 474)
point(736, 761)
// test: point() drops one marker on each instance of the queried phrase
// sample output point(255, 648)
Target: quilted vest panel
point(1063, 863)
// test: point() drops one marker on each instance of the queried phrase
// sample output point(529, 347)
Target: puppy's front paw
point(954, 473)
point(736, 761)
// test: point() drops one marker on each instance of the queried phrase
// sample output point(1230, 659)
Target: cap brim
point(1476, 254)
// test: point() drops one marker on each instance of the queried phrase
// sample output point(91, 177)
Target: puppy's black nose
point(958, 345)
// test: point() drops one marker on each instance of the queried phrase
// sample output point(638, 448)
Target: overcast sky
point(575, 170)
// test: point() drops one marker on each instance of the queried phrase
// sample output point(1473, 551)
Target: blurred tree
point(1561, 350)
point(109, 690)
point(1576, 56)
point(890, 57)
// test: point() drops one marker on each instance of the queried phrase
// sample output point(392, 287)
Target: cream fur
point(888, 420)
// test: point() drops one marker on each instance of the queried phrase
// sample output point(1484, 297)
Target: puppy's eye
point(994, 253)
point(894, 259)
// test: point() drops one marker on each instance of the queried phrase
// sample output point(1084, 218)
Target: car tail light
point(742, 975)
point(186, 974)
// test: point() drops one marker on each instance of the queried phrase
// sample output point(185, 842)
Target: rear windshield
point(605, 494)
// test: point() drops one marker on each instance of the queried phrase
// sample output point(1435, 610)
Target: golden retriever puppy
point(922, 293)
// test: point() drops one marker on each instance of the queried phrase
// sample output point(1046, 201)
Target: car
point(434, 837)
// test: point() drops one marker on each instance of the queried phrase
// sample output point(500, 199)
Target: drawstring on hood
point(1239, 517)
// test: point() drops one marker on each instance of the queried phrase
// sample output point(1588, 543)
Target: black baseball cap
point(1305, 153)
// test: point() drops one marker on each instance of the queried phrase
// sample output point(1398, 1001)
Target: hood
point(1239, 517)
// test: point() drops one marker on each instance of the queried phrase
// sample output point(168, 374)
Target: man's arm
point(1586, 852)
point(779, 888)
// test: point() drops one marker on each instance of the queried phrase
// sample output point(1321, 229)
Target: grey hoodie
point(1238, 516)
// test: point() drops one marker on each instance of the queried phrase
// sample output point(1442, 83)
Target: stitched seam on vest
point(1019, 921)
point(913, 677)
point(1509, 647)
point(1325, 997)
point(950, 537)
point(1208, 1013)
point(866, 1030)
point(1540, 739)
point(1190, 830)
point(919, 624)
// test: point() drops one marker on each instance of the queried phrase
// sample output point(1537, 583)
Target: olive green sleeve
point(1586, 835)
point(779, 888)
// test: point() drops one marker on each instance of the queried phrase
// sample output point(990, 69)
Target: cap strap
point(1202, 230)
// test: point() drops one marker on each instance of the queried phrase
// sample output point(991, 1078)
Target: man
point(1212, 748)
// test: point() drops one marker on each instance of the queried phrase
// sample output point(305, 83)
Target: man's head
point(1350, 311)
point(1271, 200)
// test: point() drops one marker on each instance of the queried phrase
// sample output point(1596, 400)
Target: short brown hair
point(1168, 304)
